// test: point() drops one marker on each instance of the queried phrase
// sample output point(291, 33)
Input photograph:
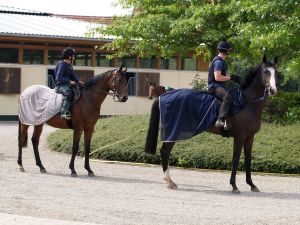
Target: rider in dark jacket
point(217, 76)
point(65, 77)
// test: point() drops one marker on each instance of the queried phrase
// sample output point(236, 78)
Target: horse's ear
point(123, 68)
point(276, 60)
point(264, 59)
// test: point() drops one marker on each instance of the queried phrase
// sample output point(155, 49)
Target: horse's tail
point(25, 140)
point(152, 135)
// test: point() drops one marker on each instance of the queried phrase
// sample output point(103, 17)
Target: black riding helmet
point(67, 52)
point(224, 46)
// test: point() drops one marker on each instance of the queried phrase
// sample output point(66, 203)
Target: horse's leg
point(165, 152)
point(237, 148)
point(35, 143)
point(87, 141)
point(247, 153)
point(22, 142)
point(75, 147)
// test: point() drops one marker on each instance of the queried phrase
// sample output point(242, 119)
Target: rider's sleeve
point(74, 76)
point(218, 65)
point(60, 74)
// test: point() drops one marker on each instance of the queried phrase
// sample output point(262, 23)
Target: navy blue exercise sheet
point(185, 113)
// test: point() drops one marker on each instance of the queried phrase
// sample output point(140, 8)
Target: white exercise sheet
point(37, 104)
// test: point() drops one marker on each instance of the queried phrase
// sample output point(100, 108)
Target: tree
point(269, 26)
point(168, 27)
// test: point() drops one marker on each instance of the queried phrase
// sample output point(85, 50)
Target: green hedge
point(284, 108)
point(276, 148)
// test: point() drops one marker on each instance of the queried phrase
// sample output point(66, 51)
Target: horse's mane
point(91, 82)
point(250, 77)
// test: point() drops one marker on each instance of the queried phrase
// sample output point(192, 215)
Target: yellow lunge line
point(116, 142)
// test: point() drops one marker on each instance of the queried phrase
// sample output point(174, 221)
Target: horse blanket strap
point(38, 104)
point(185, 113)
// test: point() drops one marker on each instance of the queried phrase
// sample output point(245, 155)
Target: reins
point(114, 93)
point(266, 93)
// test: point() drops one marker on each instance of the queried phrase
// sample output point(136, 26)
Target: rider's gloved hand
point(236, 79)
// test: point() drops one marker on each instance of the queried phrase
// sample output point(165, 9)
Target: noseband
point(114, 90)
point(266, 90)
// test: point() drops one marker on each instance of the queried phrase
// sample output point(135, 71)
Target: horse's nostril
point(150, 97)
point(124, 99)
point(273, 91)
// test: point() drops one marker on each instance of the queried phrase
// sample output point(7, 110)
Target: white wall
point(37, 74)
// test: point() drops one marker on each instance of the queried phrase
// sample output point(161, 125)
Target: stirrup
point(66, 116)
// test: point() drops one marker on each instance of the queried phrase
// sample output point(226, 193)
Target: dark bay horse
point(85, 114)
point(257, 85)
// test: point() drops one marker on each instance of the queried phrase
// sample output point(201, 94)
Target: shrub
point(284, 108)
point(275, 149)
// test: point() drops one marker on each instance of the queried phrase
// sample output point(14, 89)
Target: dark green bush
point(284, 108)
point(276, 148)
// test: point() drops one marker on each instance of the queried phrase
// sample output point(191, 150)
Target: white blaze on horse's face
point(273, 88)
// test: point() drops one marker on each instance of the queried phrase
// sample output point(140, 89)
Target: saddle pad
point(185, 113)
point(37, 104)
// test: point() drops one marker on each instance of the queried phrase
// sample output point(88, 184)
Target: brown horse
point(157, 90)
point(85, 114)
point(257, 85)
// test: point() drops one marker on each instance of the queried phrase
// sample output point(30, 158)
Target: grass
point(276, 148)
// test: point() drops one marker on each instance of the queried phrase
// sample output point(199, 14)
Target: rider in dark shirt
point(217, 76)
point(65, 77)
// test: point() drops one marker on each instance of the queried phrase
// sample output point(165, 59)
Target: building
point(31, 43)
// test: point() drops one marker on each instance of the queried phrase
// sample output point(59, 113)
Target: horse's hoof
point(255, 189)
point(91, 174)
point(74, 175)
point(21, 169)
point(236, 191)
point(43, 170)
point(172, 186)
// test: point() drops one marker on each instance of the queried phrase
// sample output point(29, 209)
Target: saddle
point(76, 90)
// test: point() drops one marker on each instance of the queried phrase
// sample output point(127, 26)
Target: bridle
point(266, 85)
point(114, 92)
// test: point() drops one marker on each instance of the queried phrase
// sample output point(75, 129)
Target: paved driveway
point(128, 194)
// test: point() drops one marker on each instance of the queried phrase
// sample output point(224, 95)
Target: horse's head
point(118, 84)
point(151, 90)
point(269, 76)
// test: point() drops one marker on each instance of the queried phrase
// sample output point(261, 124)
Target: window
point(168, 64)
point(148, 62)
point(10, 80)
point(83, 59)
point(54, 57)
point(129, 61)
point(51, 78)
point(131, 83)
point(189, 64)
point(31, 56)
point(9, 55)
point(103, 61)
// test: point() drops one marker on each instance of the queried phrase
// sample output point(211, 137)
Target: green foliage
point(276, 148)
point(284, 108)
point(199, 83)
point(168, 28)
